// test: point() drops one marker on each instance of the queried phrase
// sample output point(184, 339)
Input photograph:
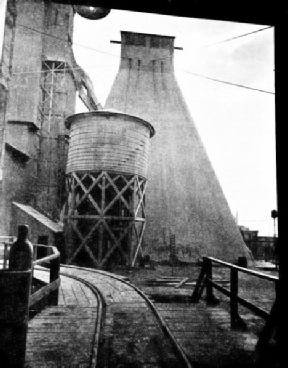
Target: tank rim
point(69, 119)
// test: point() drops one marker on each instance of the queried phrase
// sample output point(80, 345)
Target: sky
point(236, 123)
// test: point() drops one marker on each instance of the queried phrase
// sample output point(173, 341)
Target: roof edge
point(111, 112)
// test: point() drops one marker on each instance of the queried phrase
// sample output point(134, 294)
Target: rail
point(205, 280)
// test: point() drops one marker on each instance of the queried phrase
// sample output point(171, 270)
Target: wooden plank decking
point(64, 336)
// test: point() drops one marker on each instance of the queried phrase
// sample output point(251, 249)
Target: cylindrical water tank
point(106, 140)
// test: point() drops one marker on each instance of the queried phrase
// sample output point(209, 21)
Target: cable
point(236, 37)
point(108, 53)
point(185, 71)
point(62, 39)
point(229, 83)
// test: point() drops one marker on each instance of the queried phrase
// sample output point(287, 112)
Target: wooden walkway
point(119, 329)
point(206, 336)
point(68, 335)
point(63, 336)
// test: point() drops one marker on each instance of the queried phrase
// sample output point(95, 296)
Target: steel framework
point(52, 148)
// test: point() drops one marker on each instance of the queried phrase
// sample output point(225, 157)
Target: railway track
point(127, 328)
point(99, 318)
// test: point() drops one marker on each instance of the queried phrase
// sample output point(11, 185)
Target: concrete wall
point(43, 32)
point(8, 16)
point(183, 196)
point(15, 186)
point(37, 229)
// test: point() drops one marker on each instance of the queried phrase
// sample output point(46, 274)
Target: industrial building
point(39, 78)
point(39, 81)
point(184, 196)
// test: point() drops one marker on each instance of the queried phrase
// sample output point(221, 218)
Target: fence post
point(6, 255)
point(54, 275)
point(14, 314)
point(197, 292)
point(173, 252)
point(233, 300)
point(210, 297)
point(236, 321)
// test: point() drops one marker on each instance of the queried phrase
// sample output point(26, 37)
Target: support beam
point(103, 210)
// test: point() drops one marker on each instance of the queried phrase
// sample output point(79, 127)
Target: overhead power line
point(185, 71)
point(108, 53)
point(63, 39)
point(229, 83)
point(236, 37)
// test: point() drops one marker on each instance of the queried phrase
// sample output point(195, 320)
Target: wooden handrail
point(52, 288)
point(15, 311)
point(6, 238)
point(52, 256)
point(244, 270)
point(55, 255)
point(205, 280)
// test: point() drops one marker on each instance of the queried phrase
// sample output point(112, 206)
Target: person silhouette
point(21, 251)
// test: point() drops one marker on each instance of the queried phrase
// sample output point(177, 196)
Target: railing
point(51, 289)
point(205, 280)
point(5, 242)
point(17, 294)
point(39, 289)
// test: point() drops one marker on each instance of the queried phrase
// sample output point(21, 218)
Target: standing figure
point(21, 251)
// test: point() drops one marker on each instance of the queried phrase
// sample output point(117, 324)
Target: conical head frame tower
point(185, 201)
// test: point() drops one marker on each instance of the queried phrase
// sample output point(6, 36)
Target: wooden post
point(210, 297)
point(173, 254)
point(236, 321)
point(54, 275)
point(200, 283)
point(15, 289)
point(6, 255)
point(233, 300)
point(209, 275)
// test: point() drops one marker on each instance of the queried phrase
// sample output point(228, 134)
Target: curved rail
point(100, 315)
point(99, 319)
point(178, 351)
